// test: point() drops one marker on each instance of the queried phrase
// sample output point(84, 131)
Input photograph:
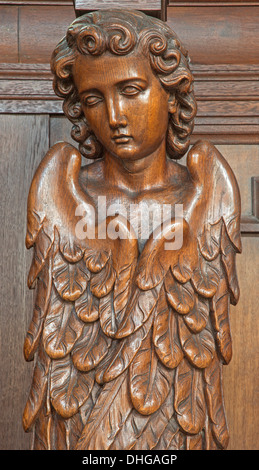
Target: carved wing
point(82, 289)
point(162, 378)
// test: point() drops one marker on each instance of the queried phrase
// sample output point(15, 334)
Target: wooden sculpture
point(131, 321)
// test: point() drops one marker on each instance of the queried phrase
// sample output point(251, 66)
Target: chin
point(127, 154)
point(131, 154)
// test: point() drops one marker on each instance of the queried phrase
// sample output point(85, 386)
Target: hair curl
point(119, 32)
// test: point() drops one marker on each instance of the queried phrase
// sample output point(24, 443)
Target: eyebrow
point(132, 79)
point(120, 82)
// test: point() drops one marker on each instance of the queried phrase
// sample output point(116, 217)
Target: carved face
point(123, 102)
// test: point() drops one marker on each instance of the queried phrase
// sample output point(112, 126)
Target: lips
point(121, 138)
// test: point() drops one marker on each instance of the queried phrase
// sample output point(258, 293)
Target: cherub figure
point(129, 335)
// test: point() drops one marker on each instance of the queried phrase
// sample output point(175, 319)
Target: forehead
point(108, 69)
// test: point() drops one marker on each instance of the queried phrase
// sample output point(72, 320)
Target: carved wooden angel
point(131, 321)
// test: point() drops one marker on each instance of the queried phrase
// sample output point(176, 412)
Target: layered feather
point(129, 347)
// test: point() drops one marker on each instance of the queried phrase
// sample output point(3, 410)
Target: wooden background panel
point(60, 130)
point(19, 157)
point(244, 161)
point(217, 35)
point(38, 2)
point(40, 30)
point(8, 33)
point(137, 4)
point(212, 34)
point(200, 3)
point(241, 376)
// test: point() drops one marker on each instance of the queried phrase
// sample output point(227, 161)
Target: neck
point(138, 175)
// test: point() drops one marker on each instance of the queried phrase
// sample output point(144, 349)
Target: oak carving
point(131, 321)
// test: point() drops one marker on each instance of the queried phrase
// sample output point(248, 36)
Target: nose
point(116, 117)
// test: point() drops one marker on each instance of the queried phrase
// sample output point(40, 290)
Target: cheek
point(157, 118)
point(97, 121)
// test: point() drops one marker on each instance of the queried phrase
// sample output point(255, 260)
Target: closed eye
point(131, 90)
point(92, 100)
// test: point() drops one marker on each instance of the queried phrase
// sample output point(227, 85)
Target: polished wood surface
point(130, 327)
point(16, 301)
point(157, 8)
point(243, 426)
point(211, 34)
point(238, 134)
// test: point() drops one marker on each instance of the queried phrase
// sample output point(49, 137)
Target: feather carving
point(199, 348)
point(150, 380)
point(165, 333)
point(107, 418)
point(129, 346)
point(70, 279)
point(180, 296)
point(214, 398)
point(68, 388)
point(91, 347)
point(87, 306)
point(38, 390)
point(33, 336)
point(189, 399)
point(62, 327)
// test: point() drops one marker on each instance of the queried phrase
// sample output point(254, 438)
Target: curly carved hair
point(119, 32)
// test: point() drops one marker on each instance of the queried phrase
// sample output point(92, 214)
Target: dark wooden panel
point(37, 2)
point(8, 34)
point(41, 28)
point(212, 34)
point(59, 130)
point(24, 141)
point(200, 3)
point(217, 35)
point(30, 106)
point(25, 72)
point(244, 161)
point(213, 3)
point(25, 89)
point(228, 108)
point(155, 8)
point(227, 96)
point(241, 378)
point(137, 4)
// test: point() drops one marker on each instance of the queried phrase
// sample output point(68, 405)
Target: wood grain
point(237, 52)
point(241, 378)
point(212, 34)
point(213, 3)
point(227, 98)
point(37, 2)
point(9, 34)
point(215, 35)
point(103, 4)
point(244, 168)
point(126, 315)
point(19, 159)
point(30, 106)
point(40, 30)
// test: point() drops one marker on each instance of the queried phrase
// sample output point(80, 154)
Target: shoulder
point(57, 173)
point(207, 165)
point(61, 158)
point(217, 187)
point(61, 150)
point(202, 156)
